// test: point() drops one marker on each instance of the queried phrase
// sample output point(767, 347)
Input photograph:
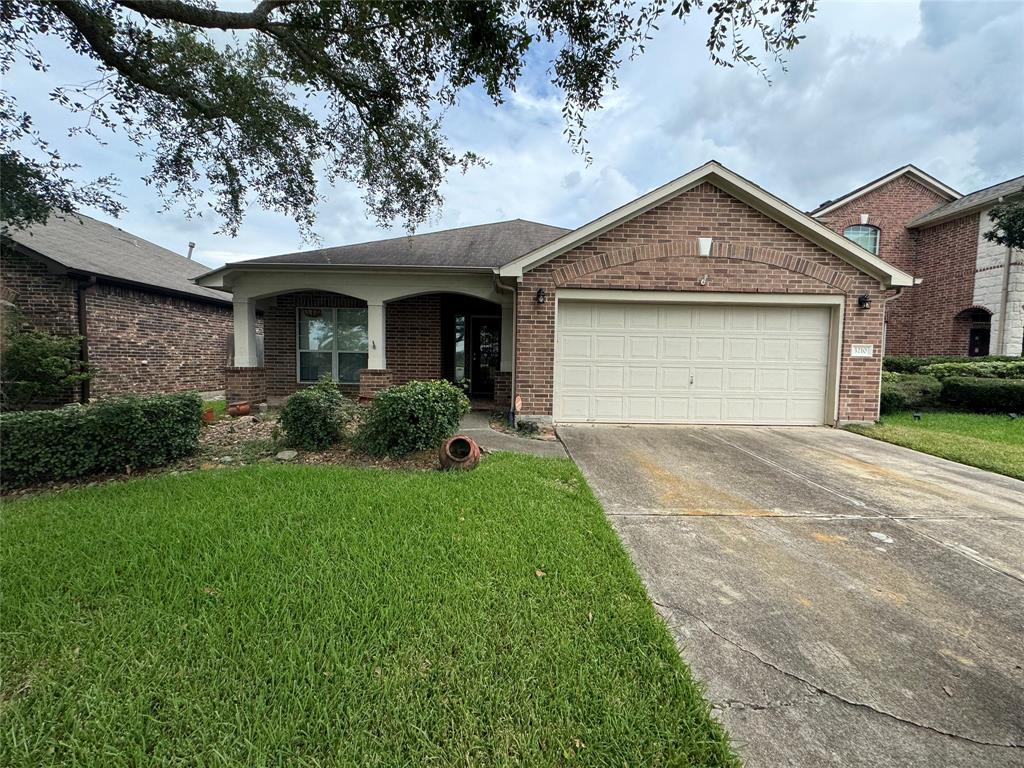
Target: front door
point(484, 354)
point(978, 342)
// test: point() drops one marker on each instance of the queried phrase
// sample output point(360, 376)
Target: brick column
point(372, 381)
point(246, 384)
point(503, 389)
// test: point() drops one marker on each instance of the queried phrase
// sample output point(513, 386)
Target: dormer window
point(863, 235)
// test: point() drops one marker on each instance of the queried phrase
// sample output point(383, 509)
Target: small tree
point(38, 366)
point(1008, 224)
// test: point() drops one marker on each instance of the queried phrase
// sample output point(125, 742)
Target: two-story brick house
point(969, 299)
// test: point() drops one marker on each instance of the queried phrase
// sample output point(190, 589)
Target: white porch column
point(375, 334)
point(508, 351)
point(245, 333)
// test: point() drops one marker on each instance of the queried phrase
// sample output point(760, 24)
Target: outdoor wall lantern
point(864, 301)
point(542, 295)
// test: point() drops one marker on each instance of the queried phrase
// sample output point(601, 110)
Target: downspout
point(885, 313)
point(84, 289)
point(1004, 304)
point(502, 288)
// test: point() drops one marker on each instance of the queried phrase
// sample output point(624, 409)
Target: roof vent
point(191, 247)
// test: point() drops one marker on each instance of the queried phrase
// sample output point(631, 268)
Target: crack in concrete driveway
point(845, 602)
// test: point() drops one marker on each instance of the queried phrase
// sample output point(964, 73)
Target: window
point(334, 342)
point(863, 235)
point(460, 347)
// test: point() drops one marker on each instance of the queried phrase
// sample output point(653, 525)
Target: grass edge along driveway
point(335, 616)
point(988, 441)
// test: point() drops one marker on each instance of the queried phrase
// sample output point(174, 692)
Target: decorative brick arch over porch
point(690, 248)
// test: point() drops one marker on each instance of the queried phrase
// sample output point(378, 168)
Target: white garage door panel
point(691, 363)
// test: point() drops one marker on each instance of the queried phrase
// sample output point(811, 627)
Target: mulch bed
point(237, 442)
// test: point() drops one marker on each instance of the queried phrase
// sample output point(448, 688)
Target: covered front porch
point(370, 331)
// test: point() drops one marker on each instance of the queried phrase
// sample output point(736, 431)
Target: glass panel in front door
point(486, 354)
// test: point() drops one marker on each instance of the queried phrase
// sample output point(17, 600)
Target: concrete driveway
point(845, 601)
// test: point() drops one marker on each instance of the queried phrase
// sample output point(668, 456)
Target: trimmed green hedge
point(984, 395)
point(908, 391)
point(315, 418)
point(914, 363)
point(110, 436)
point(982, 368)
point(411, 417)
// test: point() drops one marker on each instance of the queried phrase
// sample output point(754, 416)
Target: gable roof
point(975, 201)
point(79, 243)
point(743, 190)
point(911, 171)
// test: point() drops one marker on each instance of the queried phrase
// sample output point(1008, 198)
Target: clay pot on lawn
point(241, 408)
point(460, 452)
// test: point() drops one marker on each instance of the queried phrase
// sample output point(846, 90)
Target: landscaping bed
point(281, 614)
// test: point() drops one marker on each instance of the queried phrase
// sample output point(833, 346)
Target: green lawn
point(992, 442)
point(323, 616)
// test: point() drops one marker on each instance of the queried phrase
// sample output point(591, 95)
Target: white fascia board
point(742, 190)
point(918, 175)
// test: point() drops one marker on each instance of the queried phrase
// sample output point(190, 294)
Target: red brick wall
point(246, 384)
point(147, 342)
point(412, 329)
point(947, 259)
point(139, 341)
point(279, 338)
point(44, 300)
point(742, 234)
point(889, 208)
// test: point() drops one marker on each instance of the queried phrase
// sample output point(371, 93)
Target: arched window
point(863, 235)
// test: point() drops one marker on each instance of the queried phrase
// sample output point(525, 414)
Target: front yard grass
point(328, 616)
point(992, 442)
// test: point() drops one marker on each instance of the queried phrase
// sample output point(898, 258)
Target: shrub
point(411, 417)
point(984, 395)
point(316, 417)
point(38, 367)
point(982, 368)
point(112, 435)
point(914, 363)
point(906, 391)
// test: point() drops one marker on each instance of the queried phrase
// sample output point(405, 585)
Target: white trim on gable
point(917, 174)
point(738, 187)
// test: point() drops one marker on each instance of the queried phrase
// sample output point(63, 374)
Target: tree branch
point(197, 16)
point(95, 29)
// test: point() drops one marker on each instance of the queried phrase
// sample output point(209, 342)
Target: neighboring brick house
point(970, 296)
point(148, 328)
point(707, 300)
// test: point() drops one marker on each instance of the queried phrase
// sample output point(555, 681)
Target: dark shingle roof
point(484, 246)
point(83, 244)
point(969, 203)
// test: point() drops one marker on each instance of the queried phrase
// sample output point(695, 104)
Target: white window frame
point(334, 351)
point(868, 227)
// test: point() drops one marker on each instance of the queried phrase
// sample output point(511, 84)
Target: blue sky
point(874, 86)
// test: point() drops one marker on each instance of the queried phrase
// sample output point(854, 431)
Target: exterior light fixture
point(704, 244)
point(542, 295)
point(864, 301)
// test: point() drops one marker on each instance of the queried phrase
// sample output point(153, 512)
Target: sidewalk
point(476, 424)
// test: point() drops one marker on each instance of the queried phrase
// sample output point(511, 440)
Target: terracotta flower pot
point(241, 408)
point(460, 452)
point(209, 416)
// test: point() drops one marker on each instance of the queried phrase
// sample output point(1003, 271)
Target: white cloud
point(874, 85)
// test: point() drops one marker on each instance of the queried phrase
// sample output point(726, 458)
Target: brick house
point(707, 300)
point(148, 327)
point(970, 296)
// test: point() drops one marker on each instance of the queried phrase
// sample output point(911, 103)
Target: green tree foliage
point(1008, 224)
point(36, 366)
point(235, 107)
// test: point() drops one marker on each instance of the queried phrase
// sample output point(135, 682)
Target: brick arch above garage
point(577, 271)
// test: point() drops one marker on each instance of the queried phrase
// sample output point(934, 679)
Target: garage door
point(691, 363)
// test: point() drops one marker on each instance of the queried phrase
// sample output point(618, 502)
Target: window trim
point(334, 351)
point(872, 227)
